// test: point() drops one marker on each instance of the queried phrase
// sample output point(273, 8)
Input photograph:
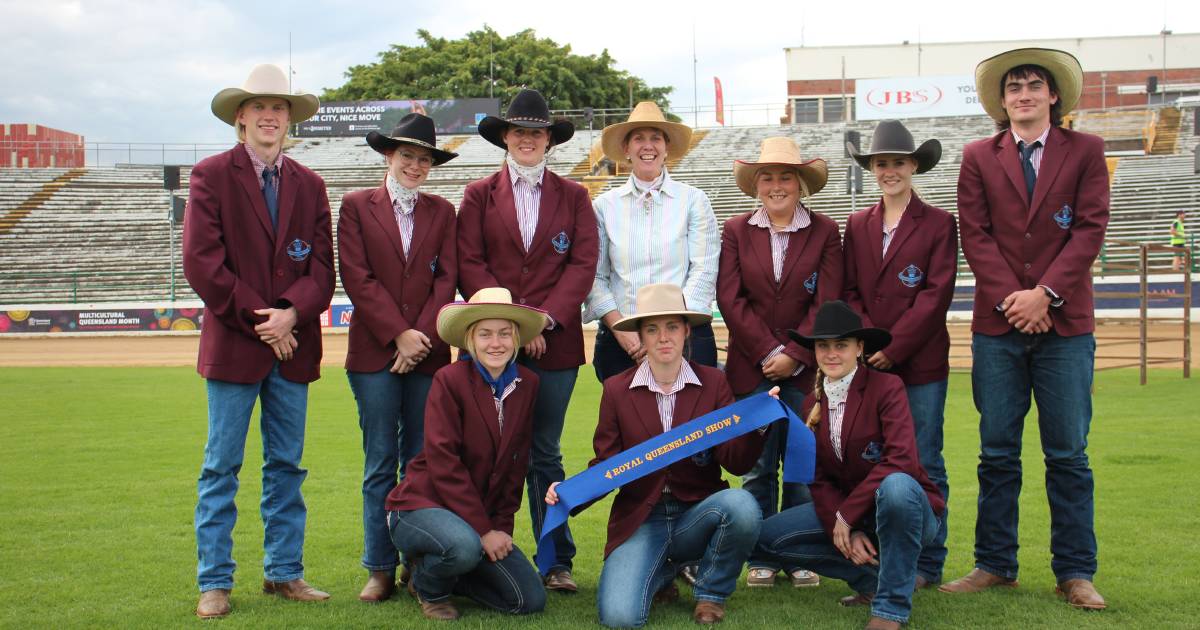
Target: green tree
point(442, 68)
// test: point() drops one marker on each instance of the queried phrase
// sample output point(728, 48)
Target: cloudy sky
point(140, 71)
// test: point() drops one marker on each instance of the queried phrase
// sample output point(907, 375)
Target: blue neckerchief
point(498, 385)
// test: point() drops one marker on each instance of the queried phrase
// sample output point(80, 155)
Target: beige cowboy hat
point(781, 151)
point(657, 300)
point(645, 114)
point(1063, 66)
point(265, 79)
point(455, 318)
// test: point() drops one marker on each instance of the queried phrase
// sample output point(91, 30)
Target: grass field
point(97, 488)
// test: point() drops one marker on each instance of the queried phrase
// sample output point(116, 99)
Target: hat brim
point(814, 172)
point(227, 101)
point(383, 144)
point(874, 339)
point(679, 138)
point(927, 155)
point(455, 318)
point(1063, 66)
point(492, 129)
point(630, 324)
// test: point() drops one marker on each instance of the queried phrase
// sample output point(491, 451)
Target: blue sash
point(660, 451)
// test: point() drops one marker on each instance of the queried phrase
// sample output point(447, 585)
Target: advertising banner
point(916, 97)
point(356, 118)
point(106, 320)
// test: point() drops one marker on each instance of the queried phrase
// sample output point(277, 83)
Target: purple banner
point(100, 320)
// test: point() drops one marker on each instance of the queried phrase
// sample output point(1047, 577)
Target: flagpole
point(695, 83)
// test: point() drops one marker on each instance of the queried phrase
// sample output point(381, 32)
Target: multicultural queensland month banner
point(356, 118)
point(107, 320)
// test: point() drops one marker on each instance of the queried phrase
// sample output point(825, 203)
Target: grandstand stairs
point(37, 200)
point(697, 137)
point(1166, 131)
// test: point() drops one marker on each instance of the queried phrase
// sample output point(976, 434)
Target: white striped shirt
point(1036, 157)
point(527, 198)
point(674, 238)
point(666, 399)
point(889, 233)
point(836, 393)
point(500, 401)
point(403, 205)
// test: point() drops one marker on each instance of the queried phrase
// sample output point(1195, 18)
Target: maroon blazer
point(392, 294)
point(909, 291)
point(557, 272)
point(877, 440)
point(237, 264)
point(629, 417)
point(1013, 245)
point(468, 465)
point(759, 312)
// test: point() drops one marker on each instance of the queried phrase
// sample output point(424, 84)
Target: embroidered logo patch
point(298, 250)
point(703, 458)
point(811, 283)
point(1063, 217)
point(561, 243)
point(433, 265)
point(873, 452)
point(911, 276)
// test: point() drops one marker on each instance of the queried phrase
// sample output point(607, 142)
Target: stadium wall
point(24, 145)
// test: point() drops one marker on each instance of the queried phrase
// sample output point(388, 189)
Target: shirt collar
point(260, 165)
point(800, 219)
point(501, 384)
point(837, 391)
point(406, 197)
point(645, 378)
point(514, 174)
point(1041, 138)
point(669, 187)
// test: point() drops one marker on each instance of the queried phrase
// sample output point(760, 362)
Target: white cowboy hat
point(781, 151)
point(265, 79)
point(645, 114)
point(657, 300)
point(493, 303)
point(1063, 66)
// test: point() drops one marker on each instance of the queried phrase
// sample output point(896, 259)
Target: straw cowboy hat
point(780, 151)
point(527, 109)
point(657, 300)
point(892, 137)
point(494, 303)
point(265, 79)
point(415, 129)
point(1063, 66)
point(836, 320)
point(646, 114)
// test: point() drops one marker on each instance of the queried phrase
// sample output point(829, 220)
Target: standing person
point(452, 514)
point(652, 229)
point(258, 249)
point(1033, 207)
point(534, 233)
point(1178, 239)
point(901, 260)
point(396, 258)
point(776, 263)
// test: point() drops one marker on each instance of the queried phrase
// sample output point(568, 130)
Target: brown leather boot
point(857, 599)
point(1081, 593)
point(708, 613)
point(214, 603)
point(437, 611)
point(975, 581)
point(379, 587)
point(296, 590)
point(879, 623)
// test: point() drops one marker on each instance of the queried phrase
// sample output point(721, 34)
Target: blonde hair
point(814, 414)
point(469, 338)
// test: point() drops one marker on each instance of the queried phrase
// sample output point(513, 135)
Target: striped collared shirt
point(527, 198)
point(779, 246)
point(836, 393)
point(500, 401)
point(403, 209)
point(888, 233)
point(1036, 157)
point(666, 399)
point(674, 238)
point(259, 165)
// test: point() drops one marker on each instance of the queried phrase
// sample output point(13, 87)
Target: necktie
point(271, 195)
point(1027, 166)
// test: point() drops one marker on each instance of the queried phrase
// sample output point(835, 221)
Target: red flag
point(720, 102)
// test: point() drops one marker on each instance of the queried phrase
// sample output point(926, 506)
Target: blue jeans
point(904, 522)
point(284, 405)
point(719, 531)
point(447, 558)
point(1058, 372)
point(928, 405)
point(610, 359)
point(545, 454)
point(391, 414)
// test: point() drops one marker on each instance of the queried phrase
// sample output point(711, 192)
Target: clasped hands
point(279, 331)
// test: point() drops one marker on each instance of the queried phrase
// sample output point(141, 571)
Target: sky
point(139, 71)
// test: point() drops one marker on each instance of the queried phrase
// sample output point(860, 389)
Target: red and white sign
point(916, 97)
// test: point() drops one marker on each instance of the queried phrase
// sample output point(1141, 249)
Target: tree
point(442, 68)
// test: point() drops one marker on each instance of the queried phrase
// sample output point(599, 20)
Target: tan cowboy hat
point(265, 79)
point(783, 151)
point(1063, 66)
point(493, 303)
point(657, 300)
point(646, 114)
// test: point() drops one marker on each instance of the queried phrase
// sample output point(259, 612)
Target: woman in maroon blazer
point(396, 255)
point(901, 260)
point(776, 263)
point(534, 233)
point(873, 507)
point(452, 515)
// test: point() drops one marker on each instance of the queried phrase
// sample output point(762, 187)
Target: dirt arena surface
point(176, 350)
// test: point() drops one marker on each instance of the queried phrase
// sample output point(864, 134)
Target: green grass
point(97, 488)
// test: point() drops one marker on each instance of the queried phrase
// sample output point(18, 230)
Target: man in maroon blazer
point(1033, 205)
point(258, 249)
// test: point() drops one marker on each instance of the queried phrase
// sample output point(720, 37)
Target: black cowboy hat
point(415, 129)
point(527, 109)
point(836, 320)
point(891, 136)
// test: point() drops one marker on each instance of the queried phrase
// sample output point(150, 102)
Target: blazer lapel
point(646, 404)
point(249, 181)
point(547, 208)
point(910, 222)
point(1010, 162)
point(289, 187)
point(1053, 157)
point(797, 242)
point(422, 222)
point(854, 401)
point(381, 210)
point(506, 205)
point(686, 400)
point(760, 243)
point(487, 407)
point(875, 235)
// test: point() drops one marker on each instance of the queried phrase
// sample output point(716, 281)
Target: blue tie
point(1027, 166)
point(271, 195)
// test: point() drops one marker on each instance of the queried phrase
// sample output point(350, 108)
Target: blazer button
point(1028, 236)
point(778, 299)
point(778, 332)
point(279, 273)
point(524, 269)
point(407, 274)
point(1027, 265)
point(521, 301)
point(404, 307)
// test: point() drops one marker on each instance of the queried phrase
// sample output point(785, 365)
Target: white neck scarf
point(836, 391)
point(531, 174)
point(648, 190)
point(406, 197)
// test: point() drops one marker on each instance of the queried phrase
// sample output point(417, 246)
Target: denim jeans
point(928, 405)
point(284, 405)
point(447, 558)
point(1058, 372)
point(545, 454)
point(610, 359)
point(719, 531)
point(904, 522)
point(391, 414)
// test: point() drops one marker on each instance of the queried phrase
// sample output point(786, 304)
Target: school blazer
point(237, 264)
point(909, 291)
point(1012, 244)
point(557, 272)
point(390, 293)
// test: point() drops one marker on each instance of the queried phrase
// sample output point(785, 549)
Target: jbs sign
point(909, 97)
